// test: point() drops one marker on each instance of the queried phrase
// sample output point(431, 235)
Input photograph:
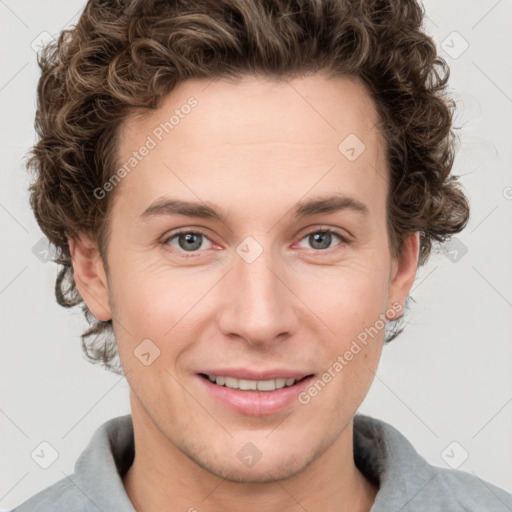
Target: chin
point(260, 472)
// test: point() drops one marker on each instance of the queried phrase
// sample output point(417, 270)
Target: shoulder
point(96, 482)
point(62, 495)
point(465, 492)
point(408, 482)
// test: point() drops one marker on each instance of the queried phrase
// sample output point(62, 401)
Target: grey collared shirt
point(407, 482)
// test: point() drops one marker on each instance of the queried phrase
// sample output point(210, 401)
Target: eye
point(188, 241)
point(320, 239)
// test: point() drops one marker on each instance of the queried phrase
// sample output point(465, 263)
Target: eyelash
point(344, 240)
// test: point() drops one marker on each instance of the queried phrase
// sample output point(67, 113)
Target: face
point(269, 286)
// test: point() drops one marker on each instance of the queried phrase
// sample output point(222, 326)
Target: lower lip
point(257, 403)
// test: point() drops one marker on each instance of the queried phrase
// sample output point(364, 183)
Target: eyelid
point(343, 234)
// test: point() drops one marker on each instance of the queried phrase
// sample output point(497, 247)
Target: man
point(240, 192)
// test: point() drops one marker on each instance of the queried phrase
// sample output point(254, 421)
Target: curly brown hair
point(127, 55)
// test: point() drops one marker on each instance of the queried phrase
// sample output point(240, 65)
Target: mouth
point(255, 397)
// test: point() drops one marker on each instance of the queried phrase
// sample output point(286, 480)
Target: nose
point(259, 305)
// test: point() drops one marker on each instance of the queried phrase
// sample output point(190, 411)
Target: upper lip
point(244, 373)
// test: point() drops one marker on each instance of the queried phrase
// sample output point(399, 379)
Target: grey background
point(446, 379)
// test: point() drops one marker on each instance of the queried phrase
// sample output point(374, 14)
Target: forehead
point(263, 135)
point(258, 110)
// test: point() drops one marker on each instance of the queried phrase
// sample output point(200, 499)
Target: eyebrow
point(319, 205)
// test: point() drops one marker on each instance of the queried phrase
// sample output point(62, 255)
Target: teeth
point(246, 384)
point(231, 383)
point(261, 385)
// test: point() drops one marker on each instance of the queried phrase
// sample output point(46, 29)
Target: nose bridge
point(258, 306)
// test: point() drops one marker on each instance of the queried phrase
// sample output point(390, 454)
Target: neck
point(163, 479)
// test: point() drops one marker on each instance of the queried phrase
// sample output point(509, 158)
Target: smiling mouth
point(252, 385)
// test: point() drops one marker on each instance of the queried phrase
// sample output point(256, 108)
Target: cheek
point(351, 350)
point(141, 290)
point(167, 306)
point(352, 304)
point(349, 298)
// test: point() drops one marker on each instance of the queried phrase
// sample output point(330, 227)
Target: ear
point(90, 276)
point(403, 271)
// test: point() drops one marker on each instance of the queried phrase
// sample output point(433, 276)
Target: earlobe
point(404, 271)
point(90, 276)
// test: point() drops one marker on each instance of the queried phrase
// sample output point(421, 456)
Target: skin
point(254, 148)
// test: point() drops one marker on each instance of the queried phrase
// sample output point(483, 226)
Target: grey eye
point(321, 239)
point(188, 241)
